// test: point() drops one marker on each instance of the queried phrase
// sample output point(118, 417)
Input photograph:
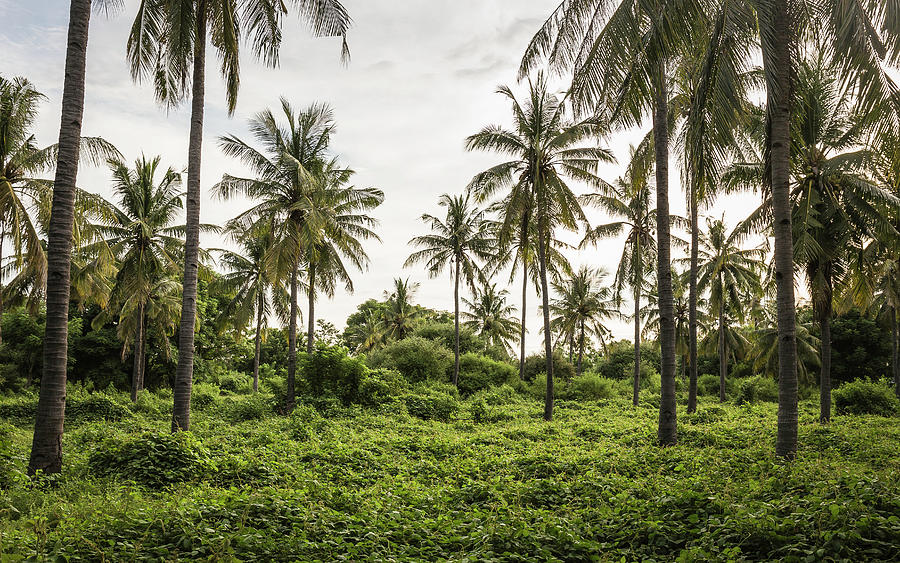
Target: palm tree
point(400, 316)
point(167, 43)
point(144, 243)
point(287, 193)
point(583, 303)
point(46, 448)
point(491, 317)
point(628, 203)
point(250, 279)
point(650, 316)
point(730, 273)
point(460, 241)
point(344, 225)
point(546, 149)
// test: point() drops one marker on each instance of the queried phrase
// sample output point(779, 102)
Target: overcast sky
point(423, 76)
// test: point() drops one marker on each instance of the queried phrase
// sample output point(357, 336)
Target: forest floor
point(378, 484)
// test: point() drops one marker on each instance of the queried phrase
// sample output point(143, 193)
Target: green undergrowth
point(484, 479)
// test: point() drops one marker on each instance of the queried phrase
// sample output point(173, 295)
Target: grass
point(379, 484)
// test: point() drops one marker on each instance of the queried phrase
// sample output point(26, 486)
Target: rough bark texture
point(723, 352)
point(692, 303)
point(257, 342)
point(824, 314)
point(548, 346)
point(776, 30)
point(522, 241)
point(46, 448)
point(311, 306)
point(291, 398)
point(2, 233)
point(636, 378)
point(667, 432)
point(184, 373)
point(456, 324)
point(137, 376)
point(581, 349)
point(895, 365)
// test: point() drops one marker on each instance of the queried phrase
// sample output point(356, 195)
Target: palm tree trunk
point(137, 376)
point(636, 379)
point(723, 358)
point(548, 347)
point(667, 432)
point(311, 305)
point(46, 449)
point(257, 342)
point(291, 398)
point(895, 357)
point(456, 324)
point(776, 33)
point(825, 334)
point(2, 236)
point(692, 301)
point(523, 245)
point(581, 348)
point(181, 412)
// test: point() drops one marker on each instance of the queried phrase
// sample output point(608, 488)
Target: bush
point(380, 386)
point(591, 386)
point(9, 462)
point(253, 407)
point(502, 395)
point(477, 373)
point(235, 382)
point(708, 385)
point(19, 410)
point(619, 361)
point(866, 397)
point(757, 389)
point(203, 396)
point(430, 404)
point(537, 364)
point(416, 358)
point(95, 407)
point(329, 371)
point(154, 460)
point(445, 335)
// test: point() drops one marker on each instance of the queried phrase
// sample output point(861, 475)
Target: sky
point(422, 77)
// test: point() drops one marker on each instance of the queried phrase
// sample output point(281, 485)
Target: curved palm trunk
point(46, 448)
point(581, 349)
point(548, 347)
point(522, 241)
point(776, 31)
point(667, 432)
point(456, 325)
point(692, 302)
point(311, 305)
point(137, 376)
point(291, 398)
point(257, 342)
point(636, 379)
point(2, 236)
point(181, 412)
point(723, 355)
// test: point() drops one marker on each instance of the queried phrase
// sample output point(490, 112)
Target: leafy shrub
point(757, 389)
point(235, 382)
point(204, 396)
point(416, 358)
point(95, 407)
point(9, 462)
point(330, 371)
point(431, 404)
point(708, 385)
point(479, 411)
point(477, 373)
point(445, 335)
point(591, 386)
point(152, 459)
point(866, 397)
point(19, 410)
point(619, 361)
point(380, 386)
point(501, 395)
point(252, 407)
point(537, 364)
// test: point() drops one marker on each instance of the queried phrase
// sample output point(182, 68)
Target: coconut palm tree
point(143, 241)
point(628, 204)
point(249, 277)
point(289, 173)
point(344, 226)
point(167, 45)
point(583, 302)
point(46, 449)
point(650, 315)
point(460, 241)
point(546, 150)
point(401, 315)
point(491, 317)
point(729, 272)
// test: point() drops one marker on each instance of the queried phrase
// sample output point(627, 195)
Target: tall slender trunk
point(523, 245)
point(545, 301)
point(723, 355)
point(895, 356)
point(636, 379)
point(667, 432)
point(137, 376)
point(291, 398)
point(581, 348)
point(311, 305)
point(2, 236)
point(257, 341)
point(181, 412)
point(825, 334)
point(571, 346)
point(692, 301)
point(776, 30)
point(46, 448)
point(456, 324)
